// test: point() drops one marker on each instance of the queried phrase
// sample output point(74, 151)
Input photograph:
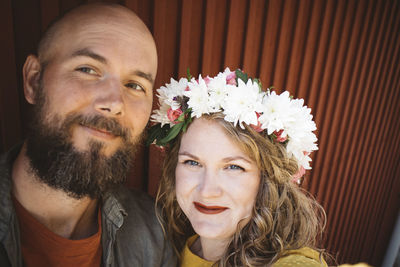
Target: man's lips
point(209, 209)
point(102, 133)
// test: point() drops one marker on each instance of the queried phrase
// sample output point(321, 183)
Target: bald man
point(62, 202)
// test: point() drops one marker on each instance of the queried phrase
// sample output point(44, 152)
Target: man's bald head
point(79, 17)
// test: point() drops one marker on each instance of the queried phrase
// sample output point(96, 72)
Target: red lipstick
point(209, 209)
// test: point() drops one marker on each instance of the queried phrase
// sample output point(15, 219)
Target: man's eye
point(191, 163)
point(135, 86)
point(235, 167)
point(87, 70)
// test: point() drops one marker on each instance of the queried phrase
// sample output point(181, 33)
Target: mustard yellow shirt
point(305, 257)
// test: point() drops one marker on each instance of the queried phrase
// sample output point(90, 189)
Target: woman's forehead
point(209, 138)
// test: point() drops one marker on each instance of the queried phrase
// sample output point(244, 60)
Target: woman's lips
point(209, 209)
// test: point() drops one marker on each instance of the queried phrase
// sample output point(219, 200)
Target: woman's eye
point(235, 167)
point(191, 163)
point(87, 70)
point(135, 86)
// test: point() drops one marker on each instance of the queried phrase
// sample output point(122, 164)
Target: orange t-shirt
point(42, 247)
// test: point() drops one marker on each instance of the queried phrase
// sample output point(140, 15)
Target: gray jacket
point(131, 234)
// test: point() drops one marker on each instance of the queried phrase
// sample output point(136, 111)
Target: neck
point(65, 216)
point(209, 249)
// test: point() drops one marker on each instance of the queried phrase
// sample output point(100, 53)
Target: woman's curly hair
point(284, 217)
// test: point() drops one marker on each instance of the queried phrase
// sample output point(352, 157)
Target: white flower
point(167, 94)
point(276, 112)
point(218, 90)
point(280, 112)
point(199, 100)
point(160, 115)
point(226, 72)
point(242, 103)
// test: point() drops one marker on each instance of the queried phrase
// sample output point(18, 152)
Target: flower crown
point(241, 100)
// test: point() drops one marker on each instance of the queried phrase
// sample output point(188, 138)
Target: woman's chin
point(212, 232)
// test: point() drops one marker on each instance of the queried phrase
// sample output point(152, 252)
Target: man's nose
point(209, 187)
point(109, 100)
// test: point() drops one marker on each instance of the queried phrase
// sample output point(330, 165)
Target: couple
point(228, 175)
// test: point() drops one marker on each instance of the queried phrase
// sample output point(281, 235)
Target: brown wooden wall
point(341, 56)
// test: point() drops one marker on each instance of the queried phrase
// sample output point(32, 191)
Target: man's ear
point(31, 75)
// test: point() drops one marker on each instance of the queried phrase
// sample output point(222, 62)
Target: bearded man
point(62, 202)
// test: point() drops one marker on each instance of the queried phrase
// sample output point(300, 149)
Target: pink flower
point(279, 138)
point(187, 88)
point(300, 172)
point(257, 127)
point(231, 78)
point(207, 80)
point(174, 114)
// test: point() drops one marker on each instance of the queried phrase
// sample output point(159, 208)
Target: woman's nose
point(209, 186)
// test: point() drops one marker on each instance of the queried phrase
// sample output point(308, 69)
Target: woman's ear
point(31, 75)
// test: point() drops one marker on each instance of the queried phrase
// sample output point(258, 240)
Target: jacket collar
point(6, 206)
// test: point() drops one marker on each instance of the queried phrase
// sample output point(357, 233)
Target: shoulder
point(301, 257)
point(134, 199)
point(6, 164)
point(7, 159)
point(136, 206)
point(6, 211)
point(139, 236)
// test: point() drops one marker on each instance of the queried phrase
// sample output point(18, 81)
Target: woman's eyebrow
point(185, 153)
point(237, 158)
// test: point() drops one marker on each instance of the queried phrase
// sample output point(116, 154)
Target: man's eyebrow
point(89, 53)
point(144, 75)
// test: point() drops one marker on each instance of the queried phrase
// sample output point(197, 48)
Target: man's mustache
point(111, 125)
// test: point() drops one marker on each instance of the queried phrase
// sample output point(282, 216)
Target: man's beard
point(55, 161)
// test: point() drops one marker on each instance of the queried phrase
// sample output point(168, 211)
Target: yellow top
point(306, 257)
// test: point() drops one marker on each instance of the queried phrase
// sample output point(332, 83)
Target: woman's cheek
point(182, 183)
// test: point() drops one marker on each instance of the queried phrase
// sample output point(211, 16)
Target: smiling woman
point(216, 182)
point(229, 193)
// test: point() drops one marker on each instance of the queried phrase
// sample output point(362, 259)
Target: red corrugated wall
point(341, 56)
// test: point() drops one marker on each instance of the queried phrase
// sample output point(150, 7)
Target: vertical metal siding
point(341, 56)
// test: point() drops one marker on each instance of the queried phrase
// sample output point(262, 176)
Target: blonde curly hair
point(284, 216)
